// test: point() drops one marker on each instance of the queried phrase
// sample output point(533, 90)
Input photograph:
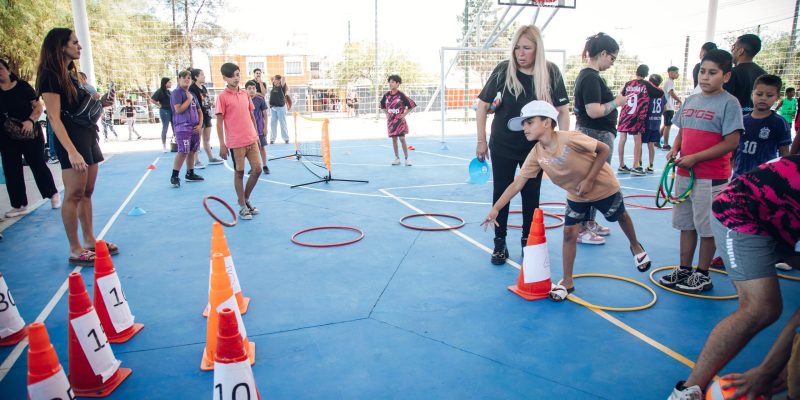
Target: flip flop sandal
point(86, 258)
point(559, 293)
point(641, 260)
point(112, 248)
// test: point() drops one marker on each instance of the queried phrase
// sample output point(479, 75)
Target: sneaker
point(396, 161)
point(193, 177)
point(597, 229)
point(244, 213)
point(623, 169)
point(252, 209)
point(683, 393)
point(215, 161)
point(52, 160)
point(175, 181)
point(286, 141)
point(649, 170)
point(718, 263)
point(676, 276)
point(500, 252)
point(695, 283)
point(638, 171)
point(408, 162)
point(271, 142)
point(17, 212)
point(55, 201)
point(265, 169)
point(588, 237)
point(666, 147)
point(199, 165)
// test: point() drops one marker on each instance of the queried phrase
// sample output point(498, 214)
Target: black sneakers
point(676, 276)
point(265, 169)
point(500, 252)
point(192, 177)
point(695, 283)
point(175, 181)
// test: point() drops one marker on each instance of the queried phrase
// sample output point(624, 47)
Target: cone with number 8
point(219, 244)
point(109, 299)
point(221, 297)
point(233, 376)
point(12, 326)
point(93, 369)
point(46, 378)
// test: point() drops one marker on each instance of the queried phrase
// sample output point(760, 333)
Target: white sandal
point(641, 260)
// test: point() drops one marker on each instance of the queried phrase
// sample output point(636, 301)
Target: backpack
point(88, 111)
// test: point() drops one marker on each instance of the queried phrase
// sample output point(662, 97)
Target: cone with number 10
point(233, 377)
point(109, 299)
point(46, 378)
point(219, 244)
point(220, 297)
point(12, 326)
point(93, 369)
point(534, 281)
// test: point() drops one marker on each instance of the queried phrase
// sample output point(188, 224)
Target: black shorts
point(612, 207)
point(206, 120)
point(85, 141)
point(668, 117)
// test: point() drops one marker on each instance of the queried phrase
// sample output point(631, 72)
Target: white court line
point(641, 190)
point(627, 328)
point(434, 154)
point(388, 165)
point(12, 357)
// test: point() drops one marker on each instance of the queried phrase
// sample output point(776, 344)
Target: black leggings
point(33, 150)
point(503, 170)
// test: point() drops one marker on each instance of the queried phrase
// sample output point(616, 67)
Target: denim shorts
point(603, 136)
point(612, 207)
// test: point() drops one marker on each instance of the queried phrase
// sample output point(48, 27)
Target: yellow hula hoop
point(788, 277)
point(699, 296)
point(578, 300)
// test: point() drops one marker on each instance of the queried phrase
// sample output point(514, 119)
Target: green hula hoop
point(666, 184)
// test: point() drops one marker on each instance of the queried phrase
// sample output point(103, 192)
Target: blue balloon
point(478, 172)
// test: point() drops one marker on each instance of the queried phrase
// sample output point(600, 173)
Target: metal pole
point(793, 37)
point(684, 84)
point(711, 23)
point(377, 73)
point(82, 32)
point(442, 103)
point(555, 11)
point(494, 38)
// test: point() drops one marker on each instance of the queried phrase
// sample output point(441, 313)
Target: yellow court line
point(627, 328)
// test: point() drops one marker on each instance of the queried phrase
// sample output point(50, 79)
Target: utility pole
point(711, 22)
point(377, 72)
point(685, 64)
point(188, 34)
point(466, 63)
point(174, 31)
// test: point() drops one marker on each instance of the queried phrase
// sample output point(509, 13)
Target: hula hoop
point(224, 203)
point(699, 296)
point(557, 216)
point(295, 241)
point(665, 186)
point(554, 203)
point(419, 228)
point(789, 277)
point(646, 196)
point(585, 303)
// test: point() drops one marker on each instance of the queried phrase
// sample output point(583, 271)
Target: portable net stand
point(313, 152)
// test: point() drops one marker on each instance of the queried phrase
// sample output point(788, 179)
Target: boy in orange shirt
point(235, 109)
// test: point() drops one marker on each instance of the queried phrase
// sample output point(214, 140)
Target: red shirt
point(236, 110)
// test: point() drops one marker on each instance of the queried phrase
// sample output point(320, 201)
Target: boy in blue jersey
point(766, 134)
point(652, 133)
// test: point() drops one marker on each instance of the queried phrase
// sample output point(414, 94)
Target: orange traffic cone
point(233, 376)
point(46, 378)
point(93, 369)
point(219, 244)
point(109, 299)
point(716, 392)
point(12, 326)
point(534, 282)
point(221, 296)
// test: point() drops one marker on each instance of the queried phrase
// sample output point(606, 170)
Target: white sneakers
point(397, 162)
point(690, 393)
point(408, 162)
point(588, 237)
point(17, 212)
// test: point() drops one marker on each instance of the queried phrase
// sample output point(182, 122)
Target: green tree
point(624, 69)
point(24, 24)
point(358, 61)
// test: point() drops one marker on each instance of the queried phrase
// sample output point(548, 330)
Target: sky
point(654, 30)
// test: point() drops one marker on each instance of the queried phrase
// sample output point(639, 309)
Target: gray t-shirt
point(703, 122)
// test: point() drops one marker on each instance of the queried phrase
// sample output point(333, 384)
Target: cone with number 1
point(12, 326)
point(93, 369)
point(109, 299)
point(534, 281)
point(221, 296)
point(220, 245)
point(233, 376)
point(46, 378)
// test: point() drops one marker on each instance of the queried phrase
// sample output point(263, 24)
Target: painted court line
point(12, 358)
point(627, 328)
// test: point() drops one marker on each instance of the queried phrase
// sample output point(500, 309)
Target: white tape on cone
point(536, 263)
point(55, 387)
point(94, 344)
point(114, 299)
point(231, 270)
point(234, 381)
point(231, 303)
point(10, 320)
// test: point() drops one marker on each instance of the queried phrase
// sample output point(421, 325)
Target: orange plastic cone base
point(541, 290)
point(241, 301)
point(151, 166)
point(107, 387)
point(17, 337)
point(127, 334)
point(207, 364)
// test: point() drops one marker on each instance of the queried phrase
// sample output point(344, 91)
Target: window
point(293, 65)
point(314, 66)
point(251, 65)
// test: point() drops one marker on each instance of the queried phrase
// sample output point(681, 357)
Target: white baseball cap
point(536, 108)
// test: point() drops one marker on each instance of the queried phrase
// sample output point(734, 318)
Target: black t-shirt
point(741, 84)
point(201, 93)
point(591, 88)
point(512, 144)
point(17, 101)
point(696, 74)
point(277, 96)
point(49, 84)
point(162, 97)
point(130, 111)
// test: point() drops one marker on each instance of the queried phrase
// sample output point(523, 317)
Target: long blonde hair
point(541, 75)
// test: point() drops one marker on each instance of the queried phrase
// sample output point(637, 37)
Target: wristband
point(32, 121)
